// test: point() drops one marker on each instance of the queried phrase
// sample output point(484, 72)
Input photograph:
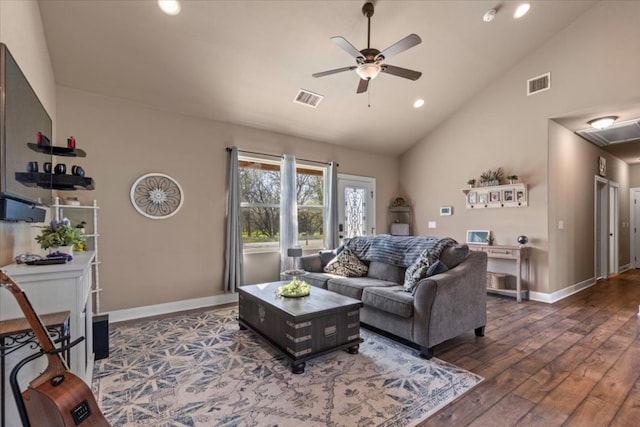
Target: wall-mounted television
point(23, 120)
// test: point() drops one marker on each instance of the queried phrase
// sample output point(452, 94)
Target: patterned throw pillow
point(346, 264)
point(417, 271)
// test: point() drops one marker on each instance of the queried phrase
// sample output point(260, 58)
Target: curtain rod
point(280, 156)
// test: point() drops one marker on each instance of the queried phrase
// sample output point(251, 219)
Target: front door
point(356, 202)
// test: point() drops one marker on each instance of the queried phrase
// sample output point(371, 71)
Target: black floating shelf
point(57, 151)
point(55, 181)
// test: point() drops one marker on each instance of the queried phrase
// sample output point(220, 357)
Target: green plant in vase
point(59, 233)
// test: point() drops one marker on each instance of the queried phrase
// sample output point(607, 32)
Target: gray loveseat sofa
point(425, 310)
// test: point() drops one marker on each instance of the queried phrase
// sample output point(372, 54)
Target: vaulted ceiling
point(244, 61)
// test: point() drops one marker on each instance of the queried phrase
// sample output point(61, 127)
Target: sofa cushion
point(387, 272)
point(318, 280)
point(454, 255)
point(416, 272)
point(437, 267)
point(346, 264)
point(353, 286)
point(391, 299)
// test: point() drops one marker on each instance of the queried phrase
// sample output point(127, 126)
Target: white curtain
point(234, 268)
point(331, 234)
point(288, 211)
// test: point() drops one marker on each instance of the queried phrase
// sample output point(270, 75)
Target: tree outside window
point(260, 204)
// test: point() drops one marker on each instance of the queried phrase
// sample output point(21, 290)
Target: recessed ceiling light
point(602, 122)
point(521, 10)
point(418, 103)
point(170, 7)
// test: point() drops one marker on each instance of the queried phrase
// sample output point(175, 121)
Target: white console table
point(519, 254)
point(53, 288)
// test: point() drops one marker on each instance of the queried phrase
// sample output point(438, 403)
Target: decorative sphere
point(523, 240)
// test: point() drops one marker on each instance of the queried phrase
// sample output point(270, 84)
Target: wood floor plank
point(505, 413)
point(629, 412)
point(575, 362)
point(592, 411)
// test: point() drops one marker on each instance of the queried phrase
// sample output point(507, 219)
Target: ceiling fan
point(370, 62)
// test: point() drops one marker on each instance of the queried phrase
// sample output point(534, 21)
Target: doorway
point(606, 236)
point(357, 206)
point(635, 227)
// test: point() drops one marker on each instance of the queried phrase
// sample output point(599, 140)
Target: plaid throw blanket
point(401, 251)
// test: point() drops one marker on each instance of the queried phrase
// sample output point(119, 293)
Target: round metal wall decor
point(156, 196)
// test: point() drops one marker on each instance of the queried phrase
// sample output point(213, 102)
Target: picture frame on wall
point(602, 166)
point(472, 197)
point(482, 198)
point(494, 196)
point(508, 195)
point(521, 196)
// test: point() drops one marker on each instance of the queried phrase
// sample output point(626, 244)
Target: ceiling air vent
point(628, 131)
point(308, 98)
point(539, 84)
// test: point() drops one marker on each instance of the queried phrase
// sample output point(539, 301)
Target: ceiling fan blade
point(401, 72)
point(346, 46)
point(400, 46)
point(337, 70)
point(363, 85)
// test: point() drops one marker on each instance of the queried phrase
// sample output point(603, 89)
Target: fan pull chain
point(369, 96)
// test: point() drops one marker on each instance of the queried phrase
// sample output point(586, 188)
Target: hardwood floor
point(572, 363)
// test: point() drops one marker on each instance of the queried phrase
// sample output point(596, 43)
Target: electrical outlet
point(431, 224)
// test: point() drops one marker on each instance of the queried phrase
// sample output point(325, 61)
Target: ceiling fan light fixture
point(489, 16)
point(368, 71)
point(602, 122)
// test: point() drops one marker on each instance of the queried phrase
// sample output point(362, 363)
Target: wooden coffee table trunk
point(301, 328)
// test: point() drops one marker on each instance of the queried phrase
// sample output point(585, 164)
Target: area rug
point(201, 370)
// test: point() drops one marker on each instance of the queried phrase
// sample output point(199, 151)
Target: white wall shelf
point(497, 196)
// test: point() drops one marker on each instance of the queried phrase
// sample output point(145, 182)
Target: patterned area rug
point(201, 370)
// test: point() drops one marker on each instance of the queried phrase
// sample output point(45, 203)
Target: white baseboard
point(170, 307)
point(624, 268)
point(562, 293)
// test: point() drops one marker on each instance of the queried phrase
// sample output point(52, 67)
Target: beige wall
point(21, 30)
point(591, 66)
point(147, 262)
point(634, 175)
point(573, 164)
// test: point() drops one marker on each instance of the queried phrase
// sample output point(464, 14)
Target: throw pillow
point(346, 264)
point(416, 272)
point(326, 257)
point(454, 255)
point(437, 268)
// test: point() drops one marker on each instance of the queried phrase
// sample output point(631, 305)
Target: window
point(260, 204)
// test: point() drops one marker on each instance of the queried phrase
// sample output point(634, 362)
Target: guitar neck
point(42, 335)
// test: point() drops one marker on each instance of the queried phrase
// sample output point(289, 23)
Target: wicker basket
point(496, 280)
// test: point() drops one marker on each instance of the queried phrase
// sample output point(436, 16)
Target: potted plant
point(512, 179)
point(60, 235)
point(471, 182)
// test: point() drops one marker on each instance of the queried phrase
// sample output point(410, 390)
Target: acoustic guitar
point(56, 398)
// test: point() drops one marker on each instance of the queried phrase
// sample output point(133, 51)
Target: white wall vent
point(308, 98)
point(539, 84)
point(627, 131)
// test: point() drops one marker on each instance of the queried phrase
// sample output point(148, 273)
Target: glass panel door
point(356, 201)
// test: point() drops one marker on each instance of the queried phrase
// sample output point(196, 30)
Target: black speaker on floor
point(101, 336)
